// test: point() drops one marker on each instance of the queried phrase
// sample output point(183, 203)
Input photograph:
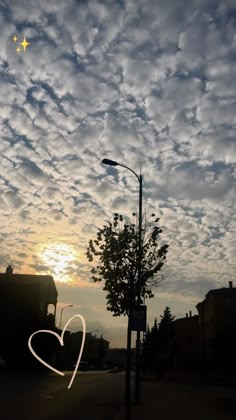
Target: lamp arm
point(131, 170)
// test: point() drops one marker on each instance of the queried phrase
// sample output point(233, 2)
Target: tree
point(166, 329)
point(167, 318)
point(147, 349)
point(154, 333)
point(116, 252)
point(151, 347)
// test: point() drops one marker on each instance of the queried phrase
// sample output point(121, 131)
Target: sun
point(61, 259)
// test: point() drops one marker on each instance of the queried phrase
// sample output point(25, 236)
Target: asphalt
point(93, 395)
point(100, 396)
point(168, 400)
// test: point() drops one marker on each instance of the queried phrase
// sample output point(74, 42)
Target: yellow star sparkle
point(15, 38)
point(18, 49)
point(24, 43)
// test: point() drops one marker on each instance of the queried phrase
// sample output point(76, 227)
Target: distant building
point(117, 357)
point(95, 349)
point(24, 301)
point(217, 325)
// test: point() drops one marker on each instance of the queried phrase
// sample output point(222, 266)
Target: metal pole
point(137, 376)
point(138, 341)
point(128, 414)
point(62, 309)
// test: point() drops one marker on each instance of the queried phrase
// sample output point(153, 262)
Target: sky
point(150, 84)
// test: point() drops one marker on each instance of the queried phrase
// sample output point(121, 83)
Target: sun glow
point(61, 259)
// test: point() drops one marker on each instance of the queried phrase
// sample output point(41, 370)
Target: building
point(217, 326)
point(185, 345)
point(94, 353)
point(24, 308)
point(203, 346)
point(118, 357)
point(208, 340)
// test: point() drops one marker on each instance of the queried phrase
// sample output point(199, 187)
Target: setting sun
point(60, 258)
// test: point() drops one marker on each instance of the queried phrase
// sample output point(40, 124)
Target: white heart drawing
point(60, 338)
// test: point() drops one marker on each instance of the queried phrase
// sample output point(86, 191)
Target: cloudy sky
point(148, 83)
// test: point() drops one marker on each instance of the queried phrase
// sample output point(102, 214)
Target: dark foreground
point(100, 396)
point(96, 395)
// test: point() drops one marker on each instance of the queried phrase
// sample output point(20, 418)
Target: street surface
point(93, 395)
point(99, 395)
point(164, 400)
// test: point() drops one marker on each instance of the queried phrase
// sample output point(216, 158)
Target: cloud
point(13, 199)
point(147, 84)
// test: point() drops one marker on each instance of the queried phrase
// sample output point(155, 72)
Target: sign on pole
point(138, 318)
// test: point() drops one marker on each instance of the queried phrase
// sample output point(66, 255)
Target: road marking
point(49, 397)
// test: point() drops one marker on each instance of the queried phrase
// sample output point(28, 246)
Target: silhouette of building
point(24, 302)
point(217, 326)
point(184, 349)
point(95, 349)
point(204, 345)
point(118, 357)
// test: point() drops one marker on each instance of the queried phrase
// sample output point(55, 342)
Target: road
point(99, 395)
point(93, 395)
point(165, 400)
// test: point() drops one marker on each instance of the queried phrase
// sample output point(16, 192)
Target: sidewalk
point(165, 400)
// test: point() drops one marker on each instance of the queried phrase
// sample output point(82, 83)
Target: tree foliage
point(167, 318)
point(115, 250)
point(156, 343)
point(166, 328)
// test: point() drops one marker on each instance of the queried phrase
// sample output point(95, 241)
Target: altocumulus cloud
point(139, 82)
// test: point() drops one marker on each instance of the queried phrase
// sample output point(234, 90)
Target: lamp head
point(109, 162)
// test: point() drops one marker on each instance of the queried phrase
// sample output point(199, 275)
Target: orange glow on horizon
point(61, 260)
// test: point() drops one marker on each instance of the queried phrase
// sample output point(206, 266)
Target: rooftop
point(46, 283)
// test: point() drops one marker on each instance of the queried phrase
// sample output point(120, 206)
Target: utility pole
point(138, 300)
point(128, 415)
point(138, 341)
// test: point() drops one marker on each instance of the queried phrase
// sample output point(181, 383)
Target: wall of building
point(185, 346)
point(23, 310)
point(217, 325)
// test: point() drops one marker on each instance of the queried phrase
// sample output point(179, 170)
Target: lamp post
point(137, 376)
point(62, 309)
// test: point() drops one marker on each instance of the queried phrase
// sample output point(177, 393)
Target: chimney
point(230, 284)
point(9, 270)
point(190, 314)
point(187, 315)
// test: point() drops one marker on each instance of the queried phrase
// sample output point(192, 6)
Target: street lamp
point(140, 180)
point(62, 309)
